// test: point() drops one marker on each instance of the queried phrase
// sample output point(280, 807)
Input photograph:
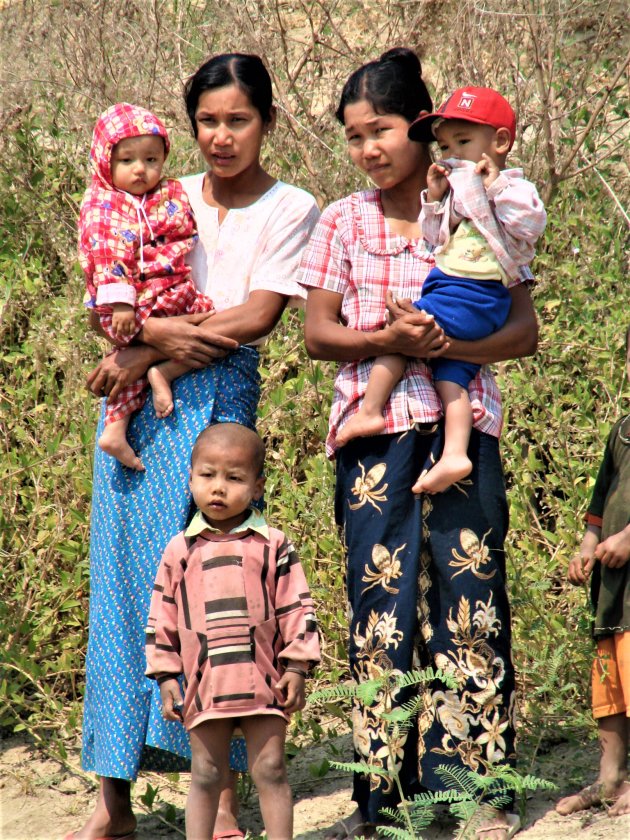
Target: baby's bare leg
point(210, 744)
point(114, 442)
point(265, 735)
point(160, 378)
point(385, 375)
point(612, 781)
point(454, 463)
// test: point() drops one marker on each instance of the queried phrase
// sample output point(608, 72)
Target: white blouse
point(254, 248)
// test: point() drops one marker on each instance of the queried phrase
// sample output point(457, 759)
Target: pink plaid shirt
point(352, 252)
point(509, 214)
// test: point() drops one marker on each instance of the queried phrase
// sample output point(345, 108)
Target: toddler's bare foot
point(161, 391)
point(361, 425)
point(116, 445)
point(448, 470)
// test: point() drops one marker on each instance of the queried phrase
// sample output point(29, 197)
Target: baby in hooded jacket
point(135, 229)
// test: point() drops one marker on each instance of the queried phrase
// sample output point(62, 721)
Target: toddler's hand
point(123, 319)
point(437, 182)
point(488, 170)
point(580, 568)
point(292, 685)
point(614, 551)
point(171, 695)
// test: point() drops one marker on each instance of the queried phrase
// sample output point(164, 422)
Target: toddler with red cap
point(482, 220)
point(135, 229)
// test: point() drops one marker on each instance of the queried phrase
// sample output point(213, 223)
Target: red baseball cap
point(473, 104)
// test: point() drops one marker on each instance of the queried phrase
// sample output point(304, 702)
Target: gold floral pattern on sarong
point(473, 663)
point(476, 554)
point(365, 487)
point(372, 741)
point(388, 568)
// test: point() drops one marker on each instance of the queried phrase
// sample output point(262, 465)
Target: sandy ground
point(42, 800)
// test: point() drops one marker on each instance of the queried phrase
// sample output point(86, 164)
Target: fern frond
point(458, 778)
point(393, 831)
point(359, 767)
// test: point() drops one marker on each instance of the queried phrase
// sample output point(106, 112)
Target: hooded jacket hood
point(120, 122)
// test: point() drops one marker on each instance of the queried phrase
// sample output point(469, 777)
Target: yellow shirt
point(467, 254)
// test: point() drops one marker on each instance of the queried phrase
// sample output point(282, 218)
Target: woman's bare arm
point(518, 337)
point(191, 339)
point(414, 334)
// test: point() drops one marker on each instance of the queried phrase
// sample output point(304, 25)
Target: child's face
point(379, 146)
point(224, 482)
point(464, 140)
point(230, 131)
point(137, 163)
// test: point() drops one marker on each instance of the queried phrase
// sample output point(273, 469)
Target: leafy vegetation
point(68, 62)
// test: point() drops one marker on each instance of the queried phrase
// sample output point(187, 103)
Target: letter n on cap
point(466, 102)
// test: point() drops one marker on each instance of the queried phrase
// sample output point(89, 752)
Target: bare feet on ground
point(361, 425)
point(498, 825)
point(352, 827)
point(100, 824)
point(116, 445)
point(448, 471)
point(597, 794)
point(161, 392)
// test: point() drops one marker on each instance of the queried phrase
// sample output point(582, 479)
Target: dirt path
point(40, 800)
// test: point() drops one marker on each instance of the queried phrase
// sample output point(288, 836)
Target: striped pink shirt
point(353, 253)
point(227, 611)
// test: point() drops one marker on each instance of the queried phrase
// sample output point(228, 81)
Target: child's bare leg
point(612, 781)
point(210, 744)
point(114, 442)
point(227, 813)
point(160, 378)
point(384, 376)
point(265, 735)
point(454, 463)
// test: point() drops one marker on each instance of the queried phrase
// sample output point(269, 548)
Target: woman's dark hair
point(246, 71)
point(392, 84)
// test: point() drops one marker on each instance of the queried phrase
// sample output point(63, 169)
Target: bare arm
point(193, 339)
point(518, 337)
point(414, 334)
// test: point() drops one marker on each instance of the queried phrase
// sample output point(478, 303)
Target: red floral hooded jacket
point(131, 248)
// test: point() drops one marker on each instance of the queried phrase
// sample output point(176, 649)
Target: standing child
point(605, 553)
point(232, 613)
point(135, 230)
point(484, 220)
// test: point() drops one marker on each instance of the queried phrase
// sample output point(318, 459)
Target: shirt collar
point(254, 522)
point(372, 228)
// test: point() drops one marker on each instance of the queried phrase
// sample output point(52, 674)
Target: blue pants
point(465, 309)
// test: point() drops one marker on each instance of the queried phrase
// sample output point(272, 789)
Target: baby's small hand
point(580, 568)
point(437, 182)
point(123, 319)
point(292, 685)
point(488, 170)
point(172, 700)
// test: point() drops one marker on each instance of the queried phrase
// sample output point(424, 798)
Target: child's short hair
point(233, 434)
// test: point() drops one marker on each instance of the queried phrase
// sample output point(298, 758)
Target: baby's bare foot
point(161, 391)
point(361, 425)
point(448, 470)
point(115, 444)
